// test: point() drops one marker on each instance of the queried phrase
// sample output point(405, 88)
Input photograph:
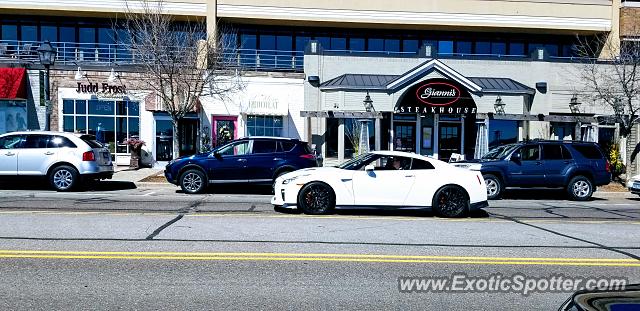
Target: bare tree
point(613, 82)
point(178, 61)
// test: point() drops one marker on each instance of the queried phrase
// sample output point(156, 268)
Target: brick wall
point(629, 21)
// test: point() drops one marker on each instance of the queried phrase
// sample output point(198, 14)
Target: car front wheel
point(193, 181)
point(316, 198)
point(494, 186)
point(63, 178)
point(451, 201)
point(580, 188)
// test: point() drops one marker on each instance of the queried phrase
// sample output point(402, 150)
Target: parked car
point(579, 167)
point(253, 160)
point(620, 298)
point(383, 179)
point(634, 184)
point(65, 159)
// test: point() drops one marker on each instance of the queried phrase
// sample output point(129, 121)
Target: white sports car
point(383, 179)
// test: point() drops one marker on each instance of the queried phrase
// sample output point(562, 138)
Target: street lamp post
point(47, 55)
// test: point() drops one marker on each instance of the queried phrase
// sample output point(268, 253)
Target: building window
point(13, 116)
point(264, 126)
point(502, 132)
point(563, 131)
point(111, 121)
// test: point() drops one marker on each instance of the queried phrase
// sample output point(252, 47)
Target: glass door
point(224, 129)
point(164, 140)
point(405, 136)
point(188, 134)
point(449, 140)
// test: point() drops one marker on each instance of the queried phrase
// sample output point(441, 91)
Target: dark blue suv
point(578, 167)
point(254, 160)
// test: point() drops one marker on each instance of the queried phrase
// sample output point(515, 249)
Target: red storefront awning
point(13, 83)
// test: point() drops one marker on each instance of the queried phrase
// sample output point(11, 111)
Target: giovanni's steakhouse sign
point(438, 97)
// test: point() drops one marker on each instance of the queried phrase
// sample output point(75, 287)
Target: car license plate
point(106, 157)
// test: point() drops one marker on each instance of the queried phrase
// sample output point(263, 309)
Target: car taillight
point(607, 167)
point(308, 156)
point(88, 156)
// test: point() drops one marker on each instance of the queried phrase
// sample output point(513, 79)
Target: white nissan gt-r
point(383, 179)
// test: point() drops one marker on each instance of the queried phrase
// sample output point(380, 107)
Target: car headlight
point(288, 180)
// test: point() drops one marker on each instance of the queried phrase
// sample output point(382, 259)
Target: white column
point(462, 137)
point(378, 133)
point(436, 134)
point(418, 133)
point(341, 140)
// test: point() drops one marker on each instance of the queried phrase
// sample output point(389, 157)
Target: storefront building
point(446, 107)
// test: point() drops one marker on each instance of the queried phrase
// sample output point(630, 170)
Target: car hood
point(480, 161)
point(312, 171)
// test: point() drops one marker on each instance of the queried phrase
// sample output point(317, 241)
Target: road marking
point(148, 194)
point(372, 258)
point(321, 217)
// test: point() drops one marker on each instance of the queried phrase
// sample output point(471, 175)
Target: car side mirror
point(216, 155)
point(515, 157)
point(369, 168)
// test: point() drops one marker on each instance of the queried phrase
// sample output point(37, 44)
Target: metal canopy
point(502, 86)
point(358, 82)
point(373, 82)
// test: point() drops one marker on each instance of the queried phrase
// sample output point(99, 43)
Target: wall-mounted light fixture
point(574, 105)
point(368, 103)
point(112, 76)
point(499, 105)
point(80, 74)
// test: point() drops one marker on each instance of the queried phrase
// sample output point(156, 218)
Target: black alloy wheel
point(451, 201)
point(316, 198)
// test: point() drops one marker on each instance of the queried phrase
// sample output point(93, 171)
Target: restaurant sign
point(437, 96)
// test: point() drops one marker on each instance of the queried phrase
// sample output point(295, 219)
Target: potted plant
point(135, 146)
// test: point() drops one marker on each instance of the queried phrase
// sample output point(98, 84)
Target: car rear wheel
point(316, 198)
point(494, 186)
point(580, 188)
point(63, 178)
point(193, 181)
point(451, 201)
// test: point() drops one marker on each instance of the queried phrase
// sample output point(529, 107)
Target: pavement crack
point(612, 249)
point(181, 212)
point(169, 223)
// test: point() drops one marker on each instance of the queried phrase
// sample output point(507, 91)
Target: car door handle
point(568, 162)
point(409, 175)
point(48, 153)
point(242, 160)
point(9, 154)
point(538, 163)
point(277, 159)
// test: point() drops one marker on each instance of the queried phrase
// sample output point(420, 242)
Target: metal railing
point(75, 54)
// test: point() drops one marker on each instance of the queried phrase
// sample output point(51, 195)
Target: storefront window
point(502, 132)
point(13, 116)
point(264, 126)
point(352, 129)
point(111, 126)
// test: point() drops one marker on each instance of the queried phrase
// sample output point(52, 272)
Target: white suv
point(64, 158)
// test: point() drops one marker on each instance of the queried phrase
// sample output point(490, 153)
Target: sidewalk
point(124, 173)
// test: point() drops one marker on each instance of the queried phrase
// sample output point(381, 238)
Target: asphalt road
point(149, 248)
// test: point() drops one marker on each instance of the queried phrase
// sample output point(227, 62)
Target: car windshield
point(499, 152)
point(357, 162)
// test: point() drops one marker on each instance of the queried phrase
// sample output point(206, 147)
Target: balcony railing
point(77, 54)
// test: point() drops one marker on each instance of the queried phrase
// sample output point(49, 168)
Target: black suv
point(255, 160)
point(576, 166)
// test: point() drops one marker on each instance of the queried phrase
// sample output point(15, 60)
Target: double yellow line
point(363, 258)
